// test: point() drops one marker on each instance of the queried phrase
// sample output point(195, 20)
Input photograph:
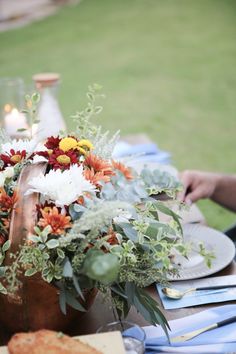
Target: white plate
point(214, 241)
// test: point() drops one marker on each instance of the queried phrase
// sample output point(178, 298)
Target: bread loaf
point(47, 342)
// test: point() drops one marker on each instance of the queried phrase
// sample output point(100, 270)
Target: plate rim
point(217, 267)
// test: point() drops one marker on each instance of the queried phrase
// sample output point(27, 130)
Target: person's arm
point(225, 191)
point(218, 187)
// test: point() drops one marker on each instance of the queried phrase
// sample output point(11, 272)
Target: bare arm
point(218, 187)
point(225, 191)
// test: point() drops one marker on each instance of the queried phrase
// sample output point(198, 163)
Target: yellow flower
point(81, 150)
point(85, 144)
point(63, 159)
point(68, 144)
point(16, 158)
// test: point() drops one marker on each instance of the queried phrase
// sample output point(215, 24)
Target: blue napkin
point(148, 152)
point(219, 340)
point(197, 298)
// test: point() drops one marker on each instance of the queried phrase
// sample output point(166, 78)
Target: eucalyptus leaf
point(129, 231)
point(67, 269)
point(79, 208)
point(62, 301)
point(165, 210)
point(130, 292)
point(116, 288)
point(77, 287)
point(149, 309)
point(73, 302)
point(124, 307)
point(103, 267)
point(76, 211)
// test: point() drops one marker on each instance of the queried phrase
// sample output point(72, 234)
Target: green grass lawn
point(167, 67)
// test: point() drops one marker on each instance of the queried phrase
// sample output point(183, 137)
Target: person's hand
point(197, 185)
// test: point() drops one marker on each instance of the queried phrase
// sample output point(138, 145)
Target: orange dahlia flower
point(6, 202)
point(96, 177)
point(98, 165)
point(123, 169)
point(58, 222)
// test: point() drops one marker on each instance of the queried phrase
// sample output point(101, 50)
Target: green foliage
point(85, 129)
point(5, 247)
point(101, 267)
point(160, 182)
point(116, 242)
point(32, 102)
point(208, 256)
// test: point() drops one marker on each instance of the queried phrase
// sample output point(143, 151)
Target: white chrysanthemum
point(38, 159)
point(2, 179)
point(19, 145)
point(7, 173)
point(63, 188)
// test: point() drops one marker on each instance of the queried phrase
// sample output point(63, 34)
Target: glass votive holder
point(132, 334)
point(11, 105)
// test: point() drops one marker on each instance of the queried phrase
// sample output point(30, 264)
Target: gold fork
point(190, 335)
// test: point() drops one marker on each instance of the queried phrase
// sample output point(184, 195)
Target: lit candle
point(15, 120)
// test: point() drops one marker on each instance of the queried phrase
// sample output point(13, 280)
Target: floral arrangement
point(98, 224)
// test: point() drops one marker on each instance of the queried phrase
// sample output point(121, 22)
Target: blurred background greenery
point(167, 68)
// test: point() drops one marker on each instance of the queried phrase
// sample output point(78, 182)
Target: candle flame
point(7, 107)
point(15, 112)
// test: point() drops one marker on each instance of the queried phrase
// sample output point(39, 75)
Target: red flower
point(52, 143)
point(62, 160)
point(123, 169)
point(45, 154)
point(13, 157)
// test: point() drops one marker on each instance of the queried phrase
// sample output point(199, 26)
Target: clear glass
point(50, 118)
point(11, 104)
point(133, 335)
